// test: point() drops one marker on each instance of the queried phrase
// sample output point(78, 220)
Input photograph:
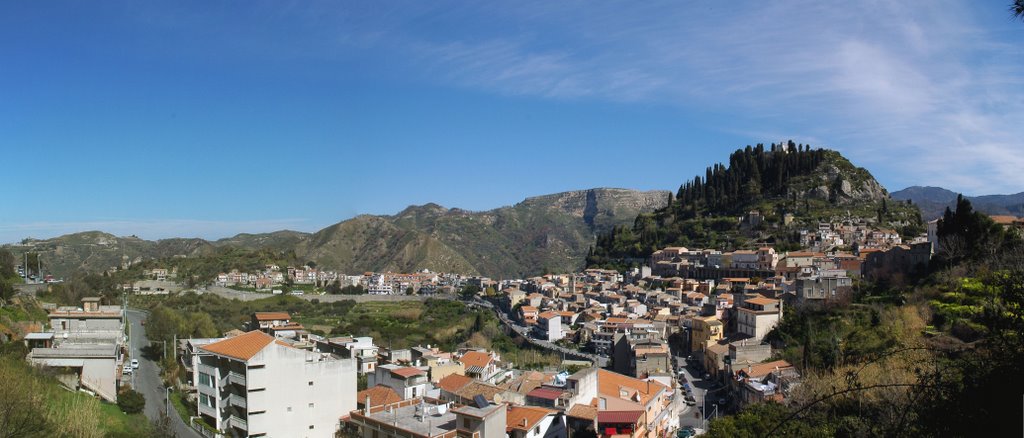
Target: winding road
point(146, 379)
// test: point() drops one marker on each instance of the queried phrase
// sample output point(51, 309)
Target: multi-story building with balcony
point(252, 385)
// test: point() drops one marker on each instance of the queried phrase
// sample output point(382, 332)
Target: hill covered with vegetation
point(928, 358)
point(790, 186)
point(544, 233)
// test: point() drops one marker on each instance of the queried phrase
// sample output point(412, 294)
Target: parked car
point(135, 364)
point(127, 369)
point(297, 292)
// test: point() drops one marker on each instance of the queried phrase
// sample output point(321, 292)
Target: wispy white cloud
point(926, 93)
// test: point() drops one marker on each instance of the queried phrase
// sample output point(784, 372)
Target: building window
point(310, 405)
point(467, 423)
point(310, 383)
point(310, 426)
point(536, 431)
point(205, 380)
point(208, 401)
point(289, 408)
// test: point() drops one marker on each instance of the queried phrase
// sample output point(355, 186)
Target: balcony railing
point(238, 422)
point(237, 400)
point(236, 378)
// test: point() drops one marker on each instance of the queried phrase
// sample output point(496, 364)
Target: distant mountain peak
point(932, 201)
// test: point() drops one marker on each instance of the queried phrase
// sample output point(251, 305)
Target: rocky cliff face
point(839, 182)
point(601, 208)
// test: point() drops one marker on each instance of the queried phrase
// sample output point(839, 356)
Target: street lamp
point(704, 403)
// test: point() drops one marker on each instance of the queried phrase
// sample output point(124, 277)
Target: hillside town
point(646, 352)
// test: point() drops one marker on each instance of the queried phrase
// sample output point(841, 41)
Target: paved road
point(700, 389)
point(599, 361)
point(147, 378)
point(250, 296)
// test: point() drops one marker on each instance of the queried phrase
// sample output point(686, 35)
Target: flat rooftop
point(421, 419)
point(69, 350)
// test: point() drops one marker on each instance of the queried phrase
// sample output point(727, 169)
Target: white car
point(127, 369)
point(135, 364)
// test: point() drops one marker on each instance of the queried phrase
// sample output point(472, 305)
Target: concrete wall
point(99, 375)
point(292, 404)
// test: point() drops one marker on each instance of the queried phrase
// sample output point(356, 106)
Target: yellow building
point(705, 330)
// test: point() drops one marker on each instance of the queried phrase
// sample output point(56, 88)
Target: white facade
point(277, 391)
point(402, 380)
point(88, 340)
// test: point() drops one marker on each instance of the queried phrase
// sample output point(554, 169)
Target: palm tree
point(1017, 8)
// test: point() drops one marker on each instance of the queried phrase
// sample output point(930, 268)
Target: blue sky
point(190, 119)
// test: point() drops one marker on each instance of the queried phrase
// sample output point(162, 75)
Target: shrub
point(131, 402)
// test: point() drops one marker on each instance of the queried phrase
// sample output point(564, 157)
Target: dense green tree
point(131, 402)
point(164, 323)
point(7, 264)
point(200, 325)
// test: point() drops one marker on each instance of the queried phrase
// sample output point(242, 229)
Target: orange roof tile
point(582, 411)
point(524, 417)
point(379, 395)
point(764, 368)
point(1003, 219)
point(408, 372)
point(241, 347)
point(611, 384)
point(475, 359)
point(453, 382)
point(762, 301)
point(271, 316)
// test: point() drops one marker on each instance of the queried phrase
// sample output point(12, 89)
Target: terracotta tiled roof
point(619, 417)
point(408, 372)
point(524, 417)
point(1003, 219)
point(582, 411)
point(763, 369)
point(271, 316)
point(453, 382)
point(476, 388)
point(545, 393)
point(475, 359)
point(379, 395)
point(761, 301)
point(241, 347)
point(548, 314)
point(611, 384)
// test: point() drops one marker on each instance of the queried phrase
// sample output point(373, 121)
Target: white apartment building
point(252, 385)
point(408, 382)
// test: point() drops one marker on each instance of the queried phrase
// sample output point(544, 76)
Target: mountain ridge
point(932, 201)
point(545, 232)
